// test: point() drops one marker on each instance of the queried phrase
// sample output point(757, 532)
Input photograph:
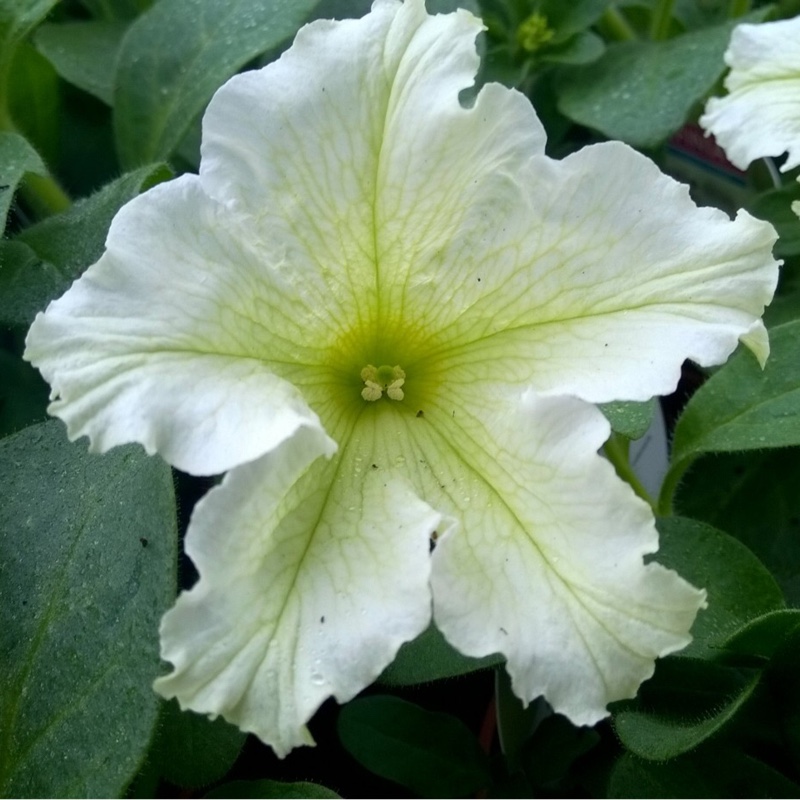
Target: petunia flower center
point(534, 32)
point(378, 380)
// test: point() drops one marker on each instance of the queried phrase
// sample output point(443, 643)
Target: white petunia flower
point(760, 115)
point(388, 316)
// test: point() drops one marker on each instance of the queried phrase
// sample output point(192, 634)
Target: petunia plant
point(395, 353)
point(761, 114)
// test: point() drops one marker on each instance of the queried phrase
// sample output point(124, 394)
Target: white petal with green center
point(354, 152)
point(182, 336)
point(760, 115)
point(546, 563)
point(312, 574)
point(599, 279)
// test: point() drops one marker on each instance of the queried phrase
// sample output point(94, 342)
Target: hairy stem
point(671, 482)
point(660, 20)
point(616, 450)
point(614, 26)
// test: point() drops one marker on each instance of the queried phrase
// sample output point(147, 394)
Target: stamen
point(382, 379)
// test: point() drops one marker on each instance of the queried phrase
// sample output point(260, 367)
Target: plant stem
point(673, 478)
point(614, 26)
point(738, 8)
point(660, 20)
point(42, 193)
point(616, 450)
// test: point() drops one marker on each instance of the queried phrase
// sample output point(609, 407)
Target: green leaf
point(428, 658)
point(23, 394)
point(631, 419)
point(192, 750)
point(583, 48)
point(686, 702)
point(784, 682)
point(775, 206)
point(74, 240)
point(116, 9)
point(88, 548)
point(715, 772)
point(34, 101)
point(538, 744)
point(177, 54)
point(18, 18)
point(433, 754)
point(17, 157)
point(26, 284)
point(698, 15)
point(642, 92)
point(44, 259)
point(739, 586)
point(83, 53)
point(742, 407)
point(568, 19)
point(754, 497)
point(353, 9)
point(515, 722)
point(448, 6)
point(765, 635)
point(783, 308)
point(556, 744)
point(270, 789)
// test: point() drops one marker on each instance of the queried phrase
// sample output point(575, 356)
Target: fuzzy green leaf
point(742, 407)
point(775, 206)
point(44, 259)
point(428, 658)
point(687, 702)
point(83, 53)
point(631, 419)
point(432, 754)
point(784, 683)
point(88, 547)
point(18, 18)
point(642, 92)
point(17, 157)
point(23, 394)
point(754, 497)
point(177, 54)
point(269, 789)
point(583, 48)
point(715, 772)
point(739, 586)
point(192, 750)
point(765, 635)
point(569, 19)
point(26, 284)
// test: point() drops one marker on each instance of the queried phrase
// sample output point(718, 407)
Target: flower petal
point(354, 152)
point(760, 116)
point(182, 337)
point(598, 280)
point(312, 574)
point(796, 204)
point(546, 565)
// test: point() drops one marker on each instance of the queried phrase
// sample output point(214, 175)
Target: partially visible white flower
point(389, 316)
point(760, 115)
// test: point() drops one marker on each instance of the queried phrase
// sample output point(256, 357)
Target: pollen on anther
point(378, 380)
